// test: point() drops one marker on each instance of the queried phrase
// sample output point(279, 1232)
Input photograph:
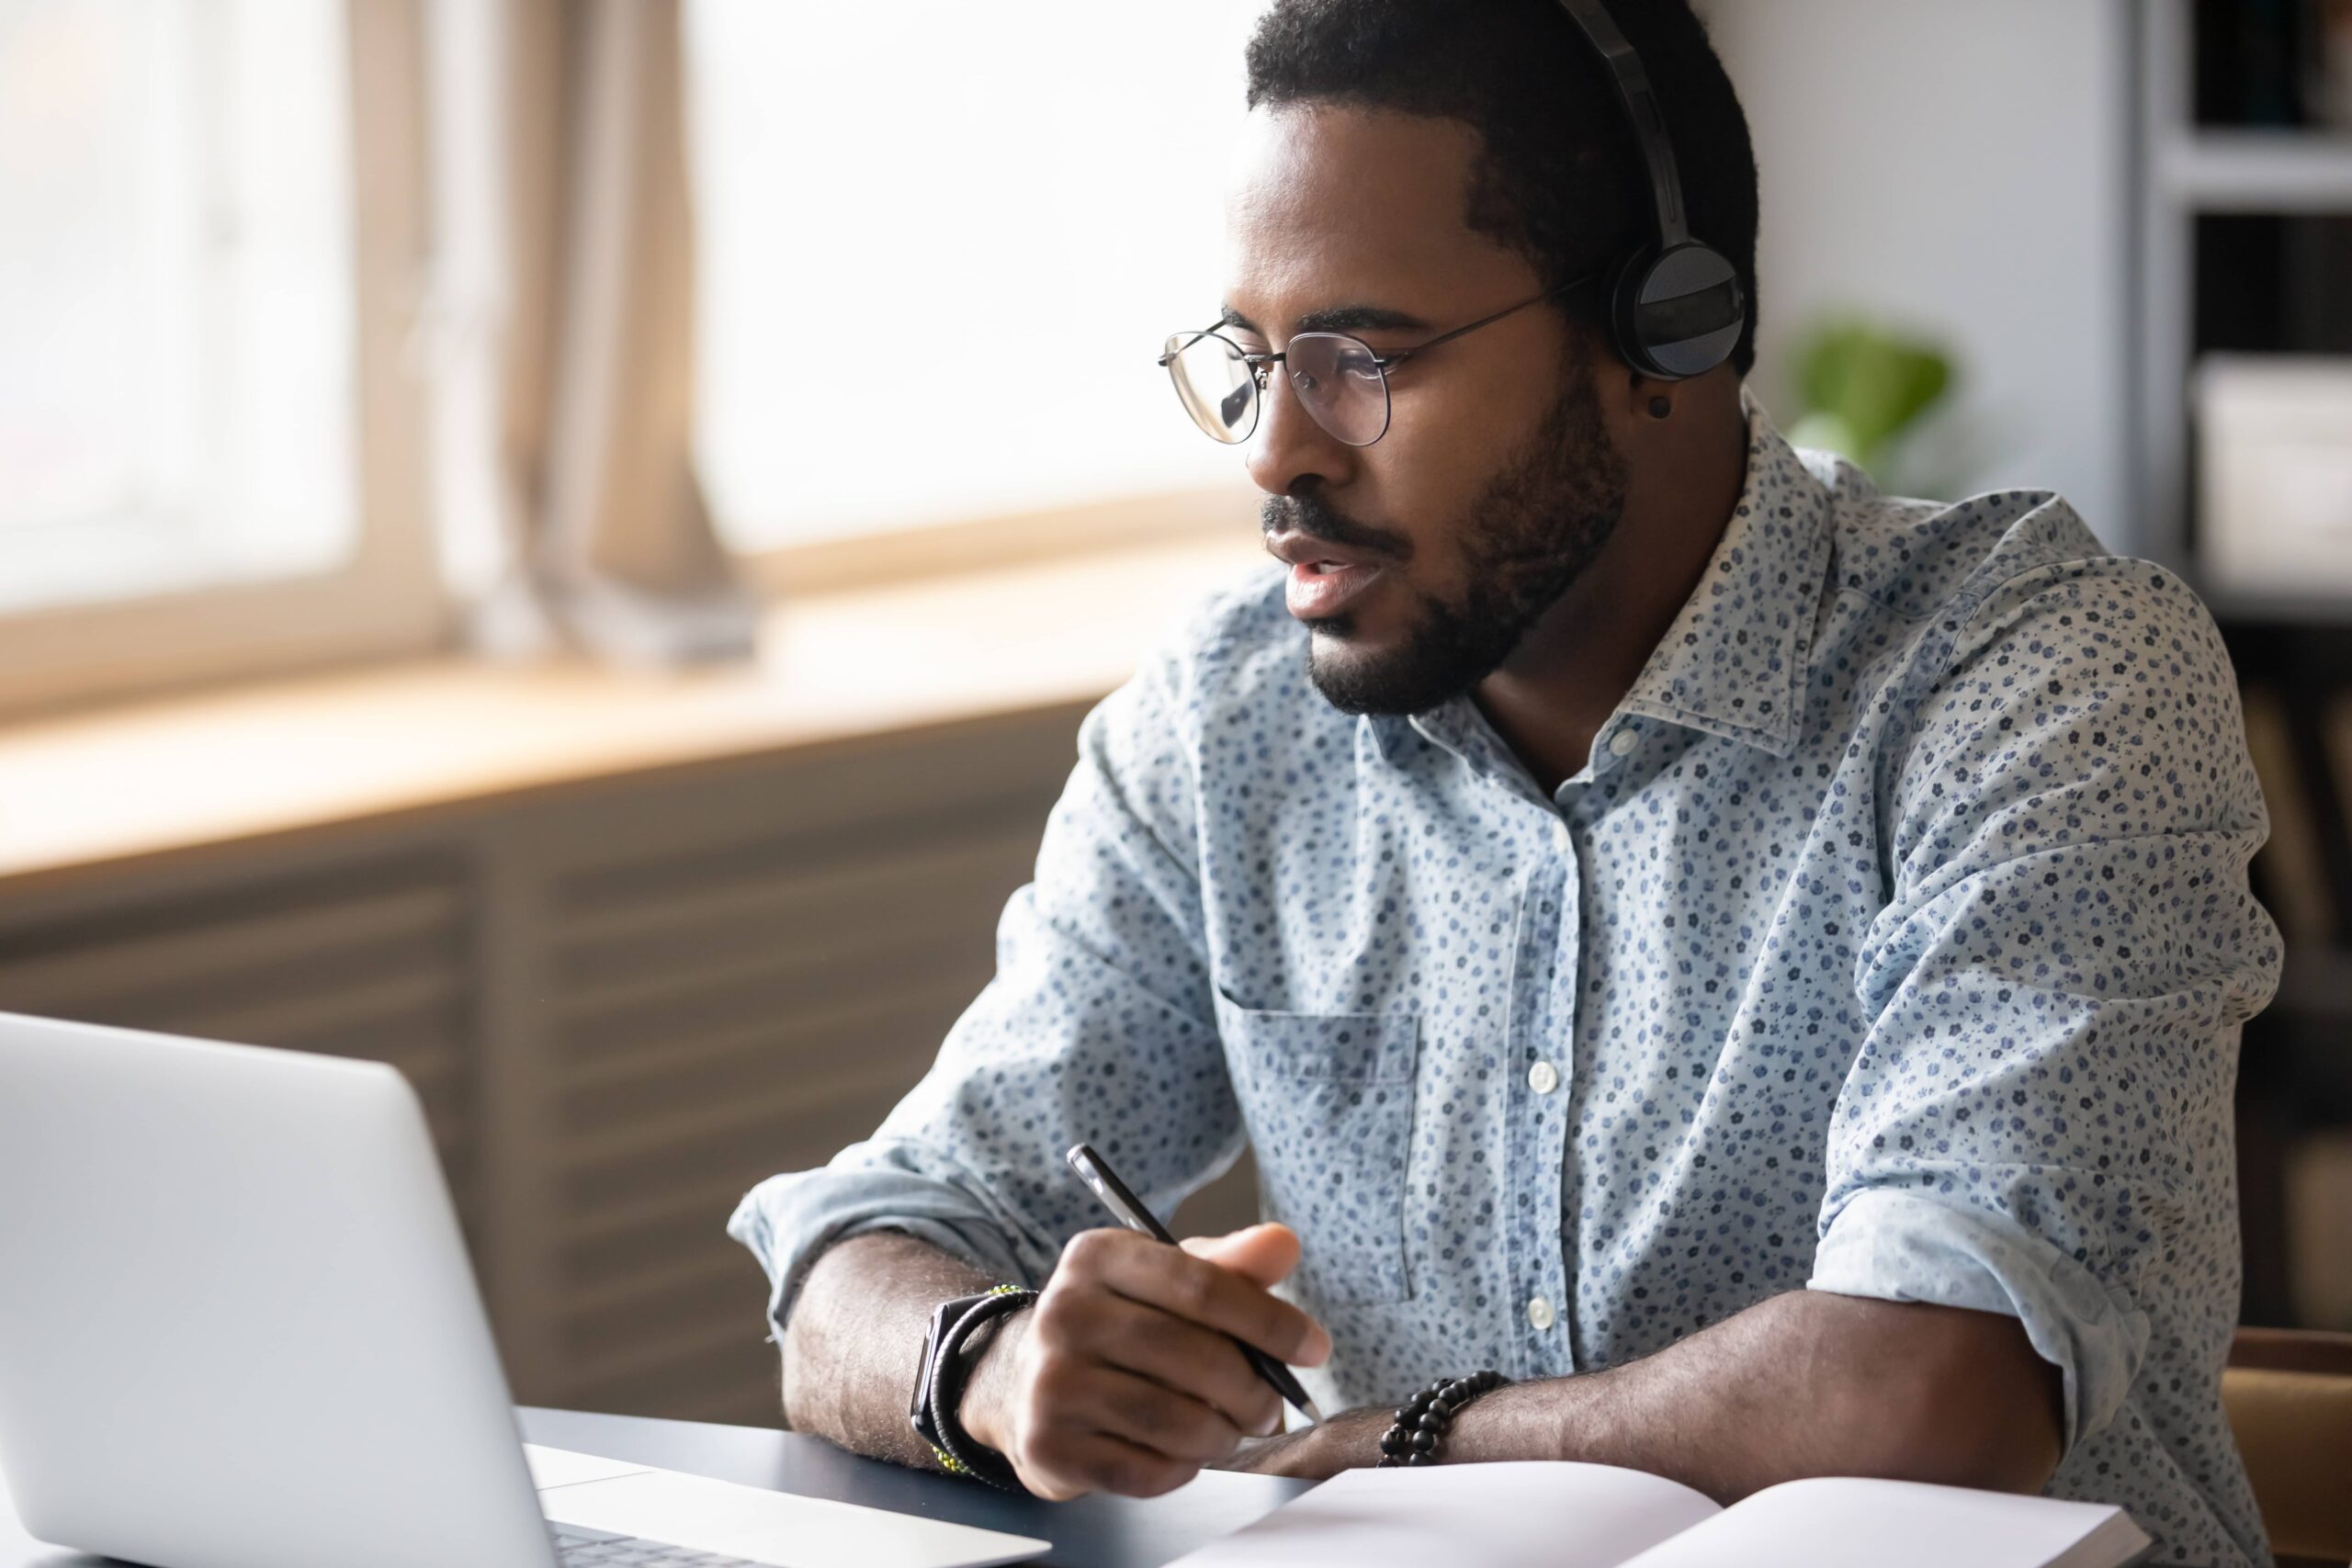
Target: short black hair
point(1559, 177)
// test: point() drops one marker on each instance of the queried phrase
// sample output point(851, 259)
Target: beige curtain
point(610, 549)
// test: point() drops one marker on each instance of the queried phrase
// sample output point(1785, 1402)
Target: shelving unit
point(2186, 173)
point(2235, 194)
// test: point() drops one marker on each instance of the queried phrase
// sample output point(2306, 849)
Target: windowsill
point(986, 543)
point(80, 793)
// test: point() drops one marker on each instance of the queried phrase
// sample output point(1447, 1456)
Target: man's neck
point(1560, 687)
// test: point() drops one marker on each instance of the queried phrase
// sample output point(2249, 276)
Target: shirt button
point(1561, 837)
point(1623, 741)
point(1542, 1078)
point(1539, 1313)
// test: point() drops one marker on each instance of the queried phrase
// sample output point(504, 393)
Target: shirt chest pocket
point(1328, 1099)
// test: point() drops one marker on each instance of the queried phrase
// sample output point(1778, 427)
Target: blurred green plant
point(1863, 387)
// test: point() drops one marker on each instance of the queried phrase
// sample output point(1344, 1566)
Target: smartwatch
point(939, 1385)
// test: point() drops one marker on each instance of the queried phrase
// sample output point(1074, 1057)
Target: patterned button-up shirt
point(1893, 942)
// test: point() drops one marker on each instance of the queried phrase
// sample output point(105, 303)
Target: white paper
point(1532, 1514)
point(1837, 1523)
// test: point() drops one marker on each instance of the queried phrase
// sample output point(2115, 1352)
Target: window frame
point(386, 598)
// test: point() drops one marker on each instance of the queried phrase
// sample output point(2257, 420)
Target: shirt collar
point(1732, 662)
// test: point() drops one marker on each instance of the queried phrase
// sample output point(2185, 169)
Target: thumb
point(1264, 1255)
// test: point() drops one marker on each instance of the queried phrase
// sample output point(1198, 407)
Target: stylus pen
point(1131, 1213)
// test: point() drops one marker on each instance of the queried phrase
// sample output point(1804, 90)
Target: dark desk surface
point(1093, 1533)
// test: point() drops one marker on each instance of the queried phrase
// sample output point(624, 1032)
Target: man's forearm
point(853, 1336)
point(1807, 1383)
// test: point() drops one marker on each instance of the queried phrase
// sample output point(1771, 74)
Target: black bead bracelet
point(1421, 1427)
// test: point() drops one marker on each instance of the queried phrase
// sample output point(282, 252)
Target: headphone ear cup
point(1677, 313)
point(1624, 315)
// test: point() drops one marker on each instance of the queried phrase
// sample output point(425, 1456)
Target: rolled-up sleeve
point(1099, 1026)
point(2038, 1121)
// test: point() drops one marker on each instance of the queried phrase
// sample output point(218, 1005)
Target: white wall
point(1959, 166)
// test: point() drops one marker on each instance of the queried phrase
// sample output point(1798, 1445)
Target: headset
point(1675, 308)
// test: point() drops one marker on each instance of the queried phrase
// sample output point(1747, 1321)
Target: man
point(1756, 963)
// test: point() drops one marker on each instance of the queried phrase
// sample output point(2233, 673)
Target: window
point(939, 245)
point(175, 274)
point(185, 400)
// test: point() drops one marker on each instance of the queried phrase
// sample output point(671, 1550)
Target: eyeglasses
point(1338, 379)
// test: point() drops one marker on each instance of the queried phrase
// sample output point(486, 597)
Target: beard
point(1523, 541)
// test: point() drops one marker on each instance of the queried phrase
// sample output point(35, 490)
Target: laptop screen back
point(237, 1324)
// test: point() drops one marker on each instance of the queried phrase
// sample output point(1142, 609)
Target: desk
point(1093, 1533)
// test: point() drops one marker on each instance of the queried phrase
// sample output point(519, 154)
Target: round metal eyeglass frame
point(1231, 426)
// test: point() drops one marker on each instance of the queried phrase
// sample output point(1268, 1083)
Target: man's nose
point(1289, 446)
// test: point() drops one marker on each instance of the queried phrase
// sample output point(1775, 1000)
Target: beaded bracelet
point(1421, 1427)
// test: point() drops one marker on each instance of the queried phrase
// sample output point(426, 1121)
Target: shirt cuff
point(1899, 1247)
point(788, 1220)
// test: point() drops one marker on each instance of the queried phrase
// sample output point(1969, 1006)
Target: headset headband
point(1641, 106)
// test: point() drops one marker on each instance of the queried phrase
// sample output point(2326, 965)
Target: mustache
point(1318, 519)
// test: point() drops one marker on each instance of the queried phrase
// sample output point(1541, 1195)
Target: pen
point(1131, 1213)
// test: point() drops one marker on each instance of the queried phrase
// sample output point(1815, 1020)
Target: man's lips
point(1303, 550)
point(1324, 578)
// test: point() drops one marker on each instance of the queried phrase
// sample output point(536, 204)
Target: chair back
point(2289, 1393)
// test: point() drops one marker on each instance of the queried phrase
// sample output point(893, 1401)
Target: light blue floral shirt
point(1893, 942)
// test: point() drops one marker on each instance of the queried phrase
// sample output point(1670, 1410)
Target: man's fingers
point(1153, 1416)
point(1174, 1280)
point(1184, 1356)
point(1264, 1254)
point(1071, 1461)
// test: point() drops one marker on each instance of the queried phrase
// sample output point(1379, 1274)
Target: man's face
point(1422, 560)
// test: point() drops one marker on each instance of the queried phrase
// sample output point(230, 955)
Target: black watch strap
point(939, 1385)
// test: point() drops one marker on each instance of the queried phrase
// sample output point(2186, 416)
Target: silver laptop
point(237, 1330)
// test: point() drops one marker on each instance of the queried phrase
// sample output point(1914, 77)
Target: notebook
point(1552, 1514)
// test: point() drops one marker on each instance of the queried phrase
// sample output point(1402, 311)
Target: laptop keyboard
point(579, 1547)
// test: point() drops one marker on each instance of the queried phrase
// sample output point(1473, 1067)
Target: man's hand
point(1121, 1379)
